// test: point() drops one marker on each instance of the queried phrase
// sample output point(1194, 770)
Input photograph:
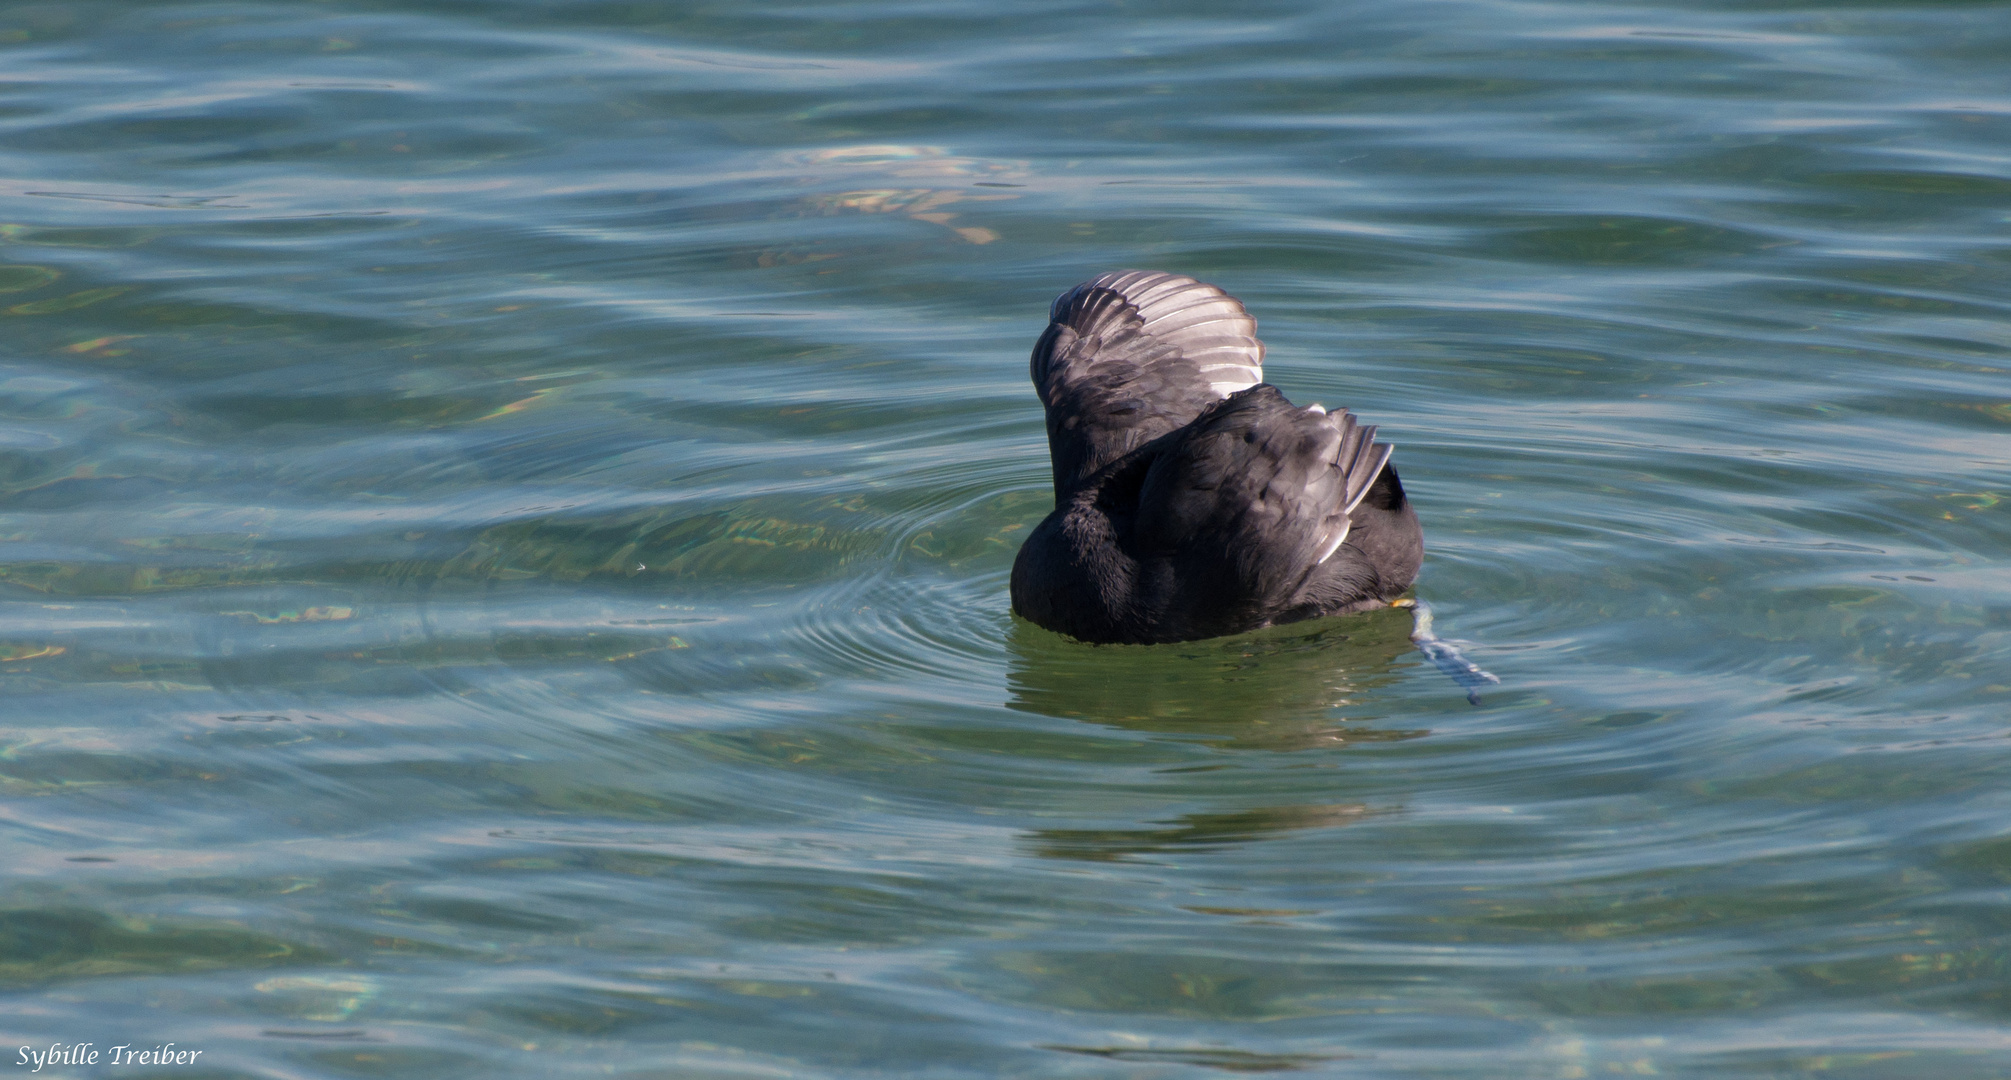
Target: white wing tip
point(1334, 544)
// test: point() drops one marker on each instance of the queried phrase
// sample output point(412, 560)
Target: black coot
point(1191, 499)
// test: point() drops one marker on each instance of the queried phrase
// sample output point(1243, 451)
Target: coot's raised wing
point(1132, 355)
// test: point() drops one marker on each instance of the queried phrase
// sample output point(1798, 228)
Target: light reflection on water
point(505, 514)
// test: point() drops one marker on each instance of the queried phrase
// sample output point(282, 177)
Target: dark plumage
point(1191, 499)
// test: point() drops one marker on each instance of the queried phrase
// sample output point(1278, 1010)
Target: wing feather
point(1133, 354)
point(1261, 488)
point(1357, 459)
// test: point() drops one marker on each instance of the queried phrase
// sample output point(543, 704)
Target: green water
point(505, 511)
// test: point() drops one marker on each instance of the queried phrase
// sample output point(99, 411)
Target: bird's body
point(1191, 499)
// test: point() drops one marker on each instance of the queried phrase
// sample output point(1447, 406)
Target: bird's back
point(1193, 500)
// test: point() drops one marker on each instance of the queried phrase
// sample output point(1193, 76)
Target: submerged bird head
point(1421, 616)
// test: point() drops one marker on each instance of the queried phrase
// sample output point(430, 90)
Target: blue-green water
point(505, 511)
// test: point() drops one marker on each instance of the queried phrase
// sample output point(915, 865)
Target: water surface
point(505, 511)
